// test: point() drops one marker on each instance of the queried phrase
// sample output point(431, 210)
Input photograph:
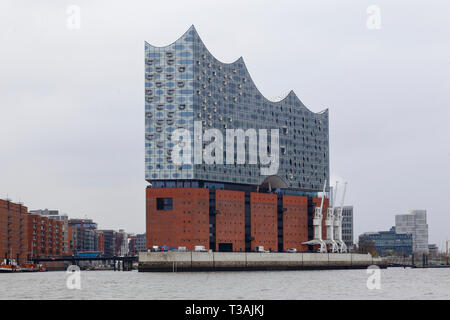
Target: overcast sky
point(72, 100)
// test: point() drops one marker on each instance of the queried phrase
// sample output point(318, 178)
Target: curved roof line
point(241, 60)
point(185, 33)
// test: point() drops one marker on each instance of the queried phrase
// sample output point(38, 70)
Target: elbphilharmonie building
point(227, 207)
point(185, 83)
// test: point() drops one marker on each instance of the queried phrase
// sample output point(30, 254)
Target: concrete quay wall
point(252, 261)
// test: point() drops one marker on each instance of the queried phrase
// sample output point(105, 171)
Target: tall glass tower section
point(185, 83)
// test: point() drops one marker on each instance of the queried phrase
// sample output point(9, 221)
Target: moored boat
point(9, 266)
point(30, 267)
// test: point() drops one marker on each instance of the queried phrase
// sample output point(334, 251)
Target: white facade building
point(415, 223)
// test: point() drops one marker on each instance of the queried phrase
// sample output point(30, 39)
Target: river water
point(395, 283)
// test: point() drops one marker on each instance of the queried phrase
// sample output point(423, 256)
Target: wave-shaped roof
point(279, 99)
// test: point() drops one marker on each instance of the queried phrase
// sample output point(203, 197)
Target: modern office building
point(224, 199)
point(347, 226)
point(415, 223)
point(121, 244)
point(433, 250)
point(387, 242)
point(132, 251)
point(85, 235)
point(109, 241)
point(13, 231)
point(141, 243)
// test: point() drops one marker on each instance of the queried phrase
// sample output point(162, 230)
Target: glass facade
point(389, 241)
point(185, 83)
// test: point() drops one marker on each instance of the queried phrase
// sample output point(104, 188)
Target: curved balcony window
point(159, 69)
point(169, 76)
point(180, 84)
point(170, 62)
point(149, 61)
point(160, 106)
point(149, 76)
point(182, 69)
point(182, 106)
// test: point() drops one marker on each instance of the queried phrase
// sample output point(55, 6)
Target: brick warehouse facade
point(13, 231)
point(295, 222)
point(264, 230)
point(24, 236)
point(182, 221)
point(45, 237)
point(229, 220)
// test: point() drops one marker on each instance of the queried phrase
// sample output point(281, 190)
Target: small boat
point(6, 269)
point(41, 268)
point(29, 267)
point(9, 266)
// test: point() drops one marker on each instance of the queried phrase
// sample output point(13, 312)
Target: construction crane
point(338, 224)
point(329, 225)
point(317, 224)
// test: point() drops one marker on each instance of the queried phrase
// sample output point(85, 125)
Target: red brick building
point(45, 237)
point(264, 217)
point(13, 231)
point(295, 222)
point(229, 220)
point(178, 217)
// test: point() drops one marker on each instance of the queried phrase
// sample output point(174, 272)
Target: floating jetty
point(252, 261)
